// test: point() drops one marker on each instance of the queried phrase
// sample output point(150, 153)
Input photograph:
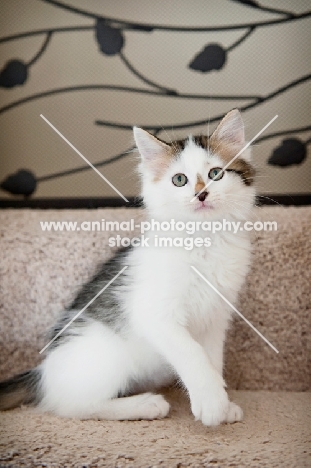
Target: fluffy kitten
point(159, 320)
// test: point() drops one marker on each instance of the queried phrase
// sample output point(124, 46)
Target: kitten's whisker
point(244, 216)
point(268, 198)
point(209, 116)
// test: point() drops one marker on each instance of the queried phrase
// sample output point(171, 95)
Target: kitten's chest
point(216, 271)
point(226, 257)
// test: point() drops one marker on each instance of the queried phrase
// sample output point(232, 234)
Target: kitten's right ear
point(153, 151)
point(148, 146)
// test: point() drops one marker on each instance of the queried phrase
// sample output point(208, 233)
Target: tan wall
point(270, 58)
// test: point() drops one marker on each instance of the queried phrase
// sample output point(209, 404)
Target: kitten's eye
point(179, 180)
point(216, 173)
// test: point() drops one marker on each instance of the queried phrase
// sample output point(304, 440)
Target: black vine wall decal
point(15, 72)
point(22, 182)
point(212, 57)
point(291, 151)
point(110, 40)
point(110, 37)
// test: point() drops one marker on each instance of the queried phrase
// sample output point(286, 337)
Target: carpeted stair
point(40, 272)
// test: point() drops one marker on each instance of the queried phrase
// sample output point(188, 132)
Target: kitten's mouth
point(204, 205)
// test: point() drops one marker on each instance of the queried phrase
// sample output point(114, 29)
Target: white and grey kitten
point(159, 320)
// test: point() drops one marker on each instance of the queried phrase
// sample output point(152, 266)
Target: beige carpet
point(40, 273)
point(275, 433)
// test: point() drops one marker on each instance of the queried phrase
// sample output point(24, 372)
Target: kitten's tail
point(23, 388)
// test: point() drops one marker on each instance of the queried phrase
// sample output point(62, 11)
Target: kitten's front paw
point(211, 409)
point(234, 414)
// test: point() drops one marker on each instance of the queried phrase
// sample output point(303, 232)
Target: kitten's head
point(175, 175)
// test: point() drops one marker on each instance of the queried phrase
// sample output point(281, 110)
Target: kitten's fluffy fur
point(159, 320)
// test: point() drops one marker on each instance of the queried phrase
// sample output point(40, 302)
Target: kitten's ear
point(148, 145)
point(153, 151)
point(231, 130)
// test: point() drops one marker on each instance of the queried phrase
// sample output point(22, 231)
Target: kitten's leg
point(83, 376)
point(209, 400)
point(214, 345)
point(143, 406)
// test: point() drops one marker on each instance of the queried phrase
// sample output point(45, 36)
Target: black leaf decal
point(13, 74)
point(291, 151)
point(110, 40)
point(22, 182)
point(212, 57)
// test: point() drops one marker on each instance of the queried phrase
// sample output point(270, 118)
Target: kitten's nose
point(202, 195)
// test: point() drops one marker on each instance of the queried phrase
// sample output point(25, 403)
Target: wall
point(271, 57)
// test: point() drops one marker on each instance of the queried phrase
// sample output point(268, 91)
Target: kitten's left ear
point(231, 130)
point(153, 151)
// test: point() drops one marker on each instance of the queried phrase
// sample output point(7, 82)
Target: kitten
point(159, 320)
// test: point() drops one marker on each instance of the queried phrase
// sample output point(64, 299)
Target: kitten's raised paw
point(153, 406)
point(211, 410)
point(234, 414)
